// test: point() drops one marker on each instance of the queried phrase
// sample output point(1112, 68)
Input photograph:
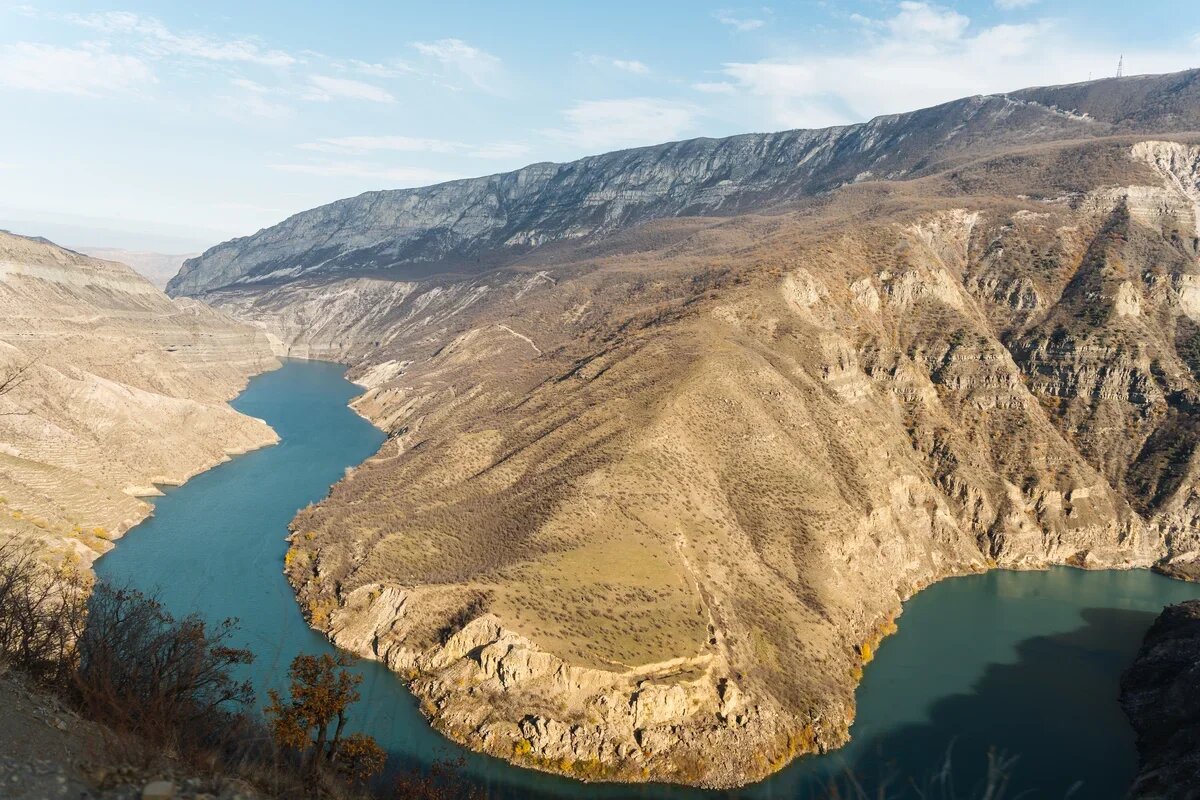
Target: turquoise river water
point(1024, 664)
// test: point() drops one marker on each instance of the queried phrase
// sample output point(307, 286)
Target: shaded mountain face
point(652, 497)
point(1161, 696)
point(471, 225)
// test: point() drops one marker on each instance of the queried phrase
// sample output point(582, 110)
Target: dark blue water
point(1021, 664)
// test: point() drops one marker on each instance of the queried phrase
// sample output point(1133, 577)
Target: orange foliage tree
point(313, 720)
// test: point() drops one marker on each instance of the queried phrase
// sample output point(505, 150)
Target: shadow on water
point(1026, 663)
point(1054, 712)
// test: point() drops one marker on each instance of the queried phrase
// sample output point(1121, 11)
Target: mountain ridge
point(472, 224)
point(120, 389)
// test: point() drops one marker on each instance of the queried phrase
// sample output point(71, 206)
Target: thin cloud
point(362, 145)
point(636, 67)
point(393, 68)
point(89, 71)
point(605, 124)
point(157, 40)
point(925, 23)
point(1012, 5)
point(632, 66)
point(251, 99)
point(461, 60)
point(499, 151)
point(740, 24)
point(715, 87)
point(356, 145)
point(921, 55)
point(323, 88)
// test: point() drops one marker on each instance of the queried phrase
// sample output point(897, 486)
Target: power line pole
point(1121, 66)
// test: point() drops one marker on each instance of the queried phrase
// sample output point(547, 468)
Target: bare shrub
point(42, 614)
point(169, 681)
point(442, 781)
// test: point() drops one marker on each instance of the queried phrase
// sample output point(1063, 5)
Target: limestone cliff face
point(123, 389)
point(470, 225)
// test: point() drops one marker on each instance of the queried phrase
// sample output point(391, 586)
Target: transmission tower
point(1121, 66)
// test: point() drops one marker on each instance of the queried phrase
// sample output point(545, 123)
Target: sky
point(173, 126)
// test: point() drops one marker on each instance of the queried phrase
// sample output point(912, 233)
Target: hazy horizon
point(202, 125)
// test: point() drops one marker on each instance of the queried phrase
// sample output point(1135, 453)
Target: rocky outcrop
point(122, 389)
point(659, 720)
point(1160, 693)
point(471, 225)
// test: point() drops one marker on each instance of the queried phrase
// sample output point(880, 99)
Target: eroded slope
point(121, 388)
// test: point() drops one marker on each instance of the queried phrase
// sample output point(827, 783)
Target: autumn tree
point(313, 720)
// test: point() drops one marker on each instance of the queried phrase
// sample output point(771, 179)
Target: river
point(1023, 664)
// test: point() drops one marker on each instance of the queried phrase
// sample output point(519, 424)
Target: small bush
point(42, 613)
point(144, 672)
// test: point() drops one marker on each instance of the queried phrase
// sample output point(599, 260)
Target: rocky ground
point(47, 752)
point(1160, 693)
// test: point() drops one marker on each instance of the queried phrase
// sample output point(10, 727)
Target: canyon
point(674, 431)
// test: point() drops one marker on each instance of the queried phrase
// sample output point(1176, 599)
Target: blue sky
point(171, 126)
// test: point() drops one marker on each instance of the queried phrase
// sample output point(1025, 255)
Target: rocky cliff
point(657, 494)
point(119, 388)
point(1161, 695)
point(471, 225)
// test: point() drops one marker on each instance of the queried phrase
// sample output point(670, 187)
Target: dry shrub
point(166, 687)
point(166, 680)
point(42, 613)
point(442, 781)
